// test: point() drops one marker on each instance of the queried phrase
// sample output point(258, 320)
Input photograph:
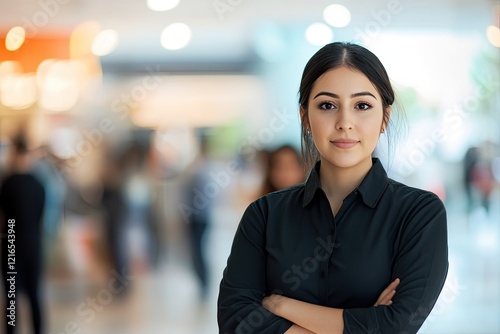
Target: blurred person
point(22, 200)
point(252, 165)
point(114, 207)
point(52, 180)
point(284, 169)
point(479, 175)
point(471, 158)
point(140, 220)
point(198, 217)
point(328, 255)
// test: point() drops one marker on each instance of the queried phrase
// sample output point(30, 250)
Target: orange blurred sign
point(37, 49)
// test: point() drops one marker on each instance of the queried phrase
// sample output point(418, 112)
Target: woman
point(326, 256)
point(284, 169)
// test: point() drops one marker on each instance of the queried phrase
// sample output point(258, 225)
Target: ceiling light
point(58, 85)
point(337, 16)
point(319, 34)
point(105, 42)
point(176, 36)
point(18, 91)
point(493, 35)
point(162, 5)
point(15, 38)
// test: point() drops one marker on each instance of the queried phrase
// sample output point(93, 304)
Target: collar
point(371, 188)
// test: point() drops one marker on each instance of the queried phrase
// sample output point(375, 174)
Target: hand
point(272, 303)
point(385, 297)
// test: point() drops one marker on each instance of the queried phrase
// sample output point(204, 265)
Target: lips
point(344, 143)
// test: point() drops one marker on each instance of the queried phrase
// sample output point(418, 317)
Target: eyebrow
point(335, 96)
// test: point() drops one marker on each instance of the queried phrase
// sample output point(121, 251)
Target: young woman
point(349, 250)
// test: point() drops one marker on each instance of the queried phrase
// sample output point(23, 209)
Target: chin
point(346, 161)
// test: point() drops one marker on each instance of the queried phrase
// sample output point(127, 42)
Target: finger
point(269, 300)
point(267, 303)
point(393, 284)
point(388, 297)
point(388, 293)
point(390, 288)
point(385, 301)
point(384, 295)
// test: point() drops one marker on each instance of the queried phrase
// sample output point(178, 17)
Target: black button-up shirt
point(288, 242)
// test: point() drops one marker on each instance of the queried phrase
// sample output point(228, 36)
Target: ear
point(303, 119)
point(387, 116)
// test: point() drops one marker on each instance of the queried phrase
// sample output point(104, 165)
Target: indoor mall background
point(139, 113)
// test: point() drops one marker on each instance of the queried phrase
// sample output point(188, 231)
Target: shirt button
point(322, 274)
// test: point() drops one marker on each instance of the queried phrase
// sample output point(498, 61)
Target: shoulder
point(403, 193)
point(32, 181)
point(271, 210)
point(18, 181)
point(7, 181)
point(281, 197)
point(279, 200)
point(417, 207)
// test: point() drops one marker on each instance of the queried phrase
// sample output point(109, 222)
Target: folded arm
point(421, 262)
point(244, 282)
point(315, 318)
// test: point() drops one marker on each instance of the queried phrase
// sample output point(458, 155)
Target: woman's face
point(345, 117)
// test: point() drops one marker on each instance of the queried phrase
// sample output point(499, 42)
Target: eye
point(363, 106)
point(327, 106)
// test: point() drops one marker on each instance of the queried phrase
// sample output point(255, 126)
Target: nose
point(343, 121)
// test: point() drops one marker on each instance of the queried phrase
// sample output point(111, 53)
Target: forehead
point(344, 80)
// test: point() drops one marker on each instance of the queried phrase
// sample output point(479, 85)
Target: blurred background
point(152, 124)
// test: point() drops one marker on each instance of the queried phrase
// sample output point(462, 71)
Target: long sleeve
point(421, 262)
point(244, 281)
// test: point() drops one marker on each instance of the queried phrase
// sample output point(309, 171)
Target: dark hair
point(330, 57)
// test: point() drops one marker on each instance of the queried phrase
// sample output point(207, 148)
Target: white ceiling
point(229, 37)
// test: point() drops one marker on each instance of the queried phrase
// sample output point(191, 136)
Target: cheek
point(321, 125)
point(371, 131)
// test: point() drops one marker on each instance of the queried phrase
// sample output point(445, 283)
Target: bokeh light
point(176, 36)
point(58, 83)
point(15, 38)
point(18, 91)
point(337, 16)
point(493, 35)
point(105, 42)
point(319, 34)
point(162, 5)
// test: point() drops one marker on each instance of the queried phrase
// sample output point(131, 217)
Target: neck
point(22, 164)
point(338, 182)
